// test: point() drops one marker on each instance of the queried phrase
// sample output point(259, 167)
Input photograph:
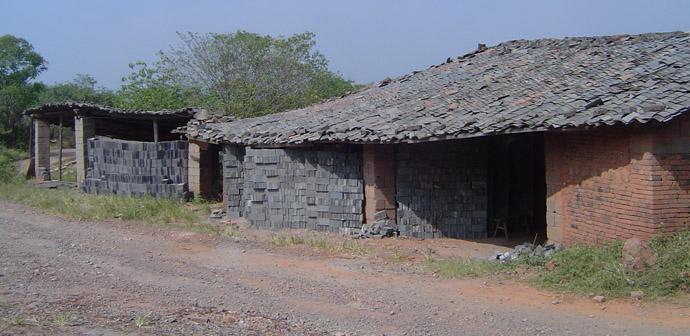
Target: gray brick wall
point(233, 177)
point(314, 188)
point(136, 168)
point(442, 189)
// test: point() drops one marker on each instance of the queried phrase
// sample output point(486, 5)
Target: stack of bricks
point(136, 168)
point(442, 189)
point(233, 157)
point(309, 188)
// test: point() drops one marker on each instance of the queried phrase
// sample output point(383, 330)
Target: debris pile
point(528, 250)
point(381, 228)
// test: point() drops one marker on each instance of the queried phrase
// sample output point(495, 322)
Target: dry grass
point(321, 242)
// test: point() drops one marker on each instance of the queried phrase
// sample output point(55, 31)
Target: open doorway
point(517, 187)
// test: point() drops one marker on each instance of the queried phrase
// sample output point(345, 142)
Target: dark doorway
point(517, 186)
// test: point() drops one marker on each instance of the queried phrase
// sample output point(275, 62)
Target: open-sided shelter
point(118, 151)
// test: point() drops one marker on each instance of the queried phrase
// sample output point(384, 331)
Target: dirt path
point(65, 277)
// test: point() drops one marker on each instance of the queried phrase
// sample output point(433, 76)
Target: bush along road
point(115, 277)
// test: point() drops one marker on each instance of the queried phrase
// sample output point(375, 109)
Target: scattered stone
point(528, 250)
point(637, 255)
point(555, 302)
point(637, 295)
point(216, 213)
point(599, 299)
point(380, 229)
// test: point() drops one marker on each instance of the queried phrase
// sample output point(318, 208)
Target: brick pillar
point(379, 181)
point(42, 149)
point(203, 169)
point(84, 128)
point(194, 167)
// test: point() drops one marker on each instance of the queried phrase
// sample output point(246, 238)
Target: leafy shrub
point(8, 164)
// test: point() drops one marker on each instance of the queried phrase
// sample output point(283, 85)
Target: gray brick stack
point(233, 158)
point(309, 188)
point(136, 168)
point(442, 189)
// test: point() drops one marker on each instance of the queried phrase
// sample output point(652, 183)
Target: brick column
point(84, 128)
point(379, 181)
point(203, 169)
point(42, 149)
point(194, 167)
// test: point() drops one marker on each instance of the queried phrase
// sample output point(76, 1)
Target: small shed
point(126, 152)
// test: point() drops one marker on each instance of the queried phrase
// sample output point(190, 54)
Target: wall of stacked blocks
point(318, 189)
point(441, 189)
point(136, 168)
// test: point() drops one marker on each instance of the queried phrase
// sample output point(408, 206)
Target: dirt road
point(65, 277)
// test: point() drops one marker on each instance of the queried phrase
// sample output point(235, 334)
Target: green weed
point(599, 269)
point(141, 319)
point(467, 267)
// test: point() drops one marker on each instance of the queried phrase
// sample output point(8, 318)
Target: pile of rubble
point(381, 228)
point(528, 250)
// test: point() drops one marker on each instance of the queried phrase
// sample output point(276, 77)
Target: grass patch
point(64, 319)
point(141, 319)
point(467, 267)
point(321, 243)
point(17, 320)
point(589, 269)
point(399, 255)
point(598, 269)
point(69, 174)
point(77, 205)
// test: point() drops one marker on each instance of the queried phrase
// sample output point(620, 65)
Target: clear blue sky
point(364, 40)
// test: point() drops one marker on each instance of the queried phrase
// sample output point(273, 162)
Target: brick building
point(117, 151)
point(579, 139)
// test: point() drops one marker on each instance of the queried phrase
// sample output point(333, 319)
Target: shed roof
point(54, 110)
point(516, 86)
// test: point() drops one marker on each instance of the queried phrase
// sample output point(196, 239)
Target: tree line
point(242, 74)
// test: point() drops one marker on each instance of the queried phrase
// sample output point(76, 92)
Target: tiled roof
point(516, 86)
point(84, 109)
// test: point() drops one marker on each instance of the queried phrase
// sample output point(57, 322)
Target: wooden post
point(155, 130)
point(60, 150)
point(31, 171)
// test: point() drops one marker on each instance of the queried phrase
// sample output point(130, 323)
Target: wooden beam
point(60, 150)
point(155, 130)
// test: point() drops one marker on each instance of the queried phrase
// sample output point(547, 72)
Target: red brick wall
point(670, 176)
point(203, 170)
point(379, 180)
point(616, 183)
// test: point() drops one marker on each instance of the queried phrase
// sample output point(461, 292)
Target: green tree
point(19, 66)
point(82, 90)
point(151, 88)
point(247, 74)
